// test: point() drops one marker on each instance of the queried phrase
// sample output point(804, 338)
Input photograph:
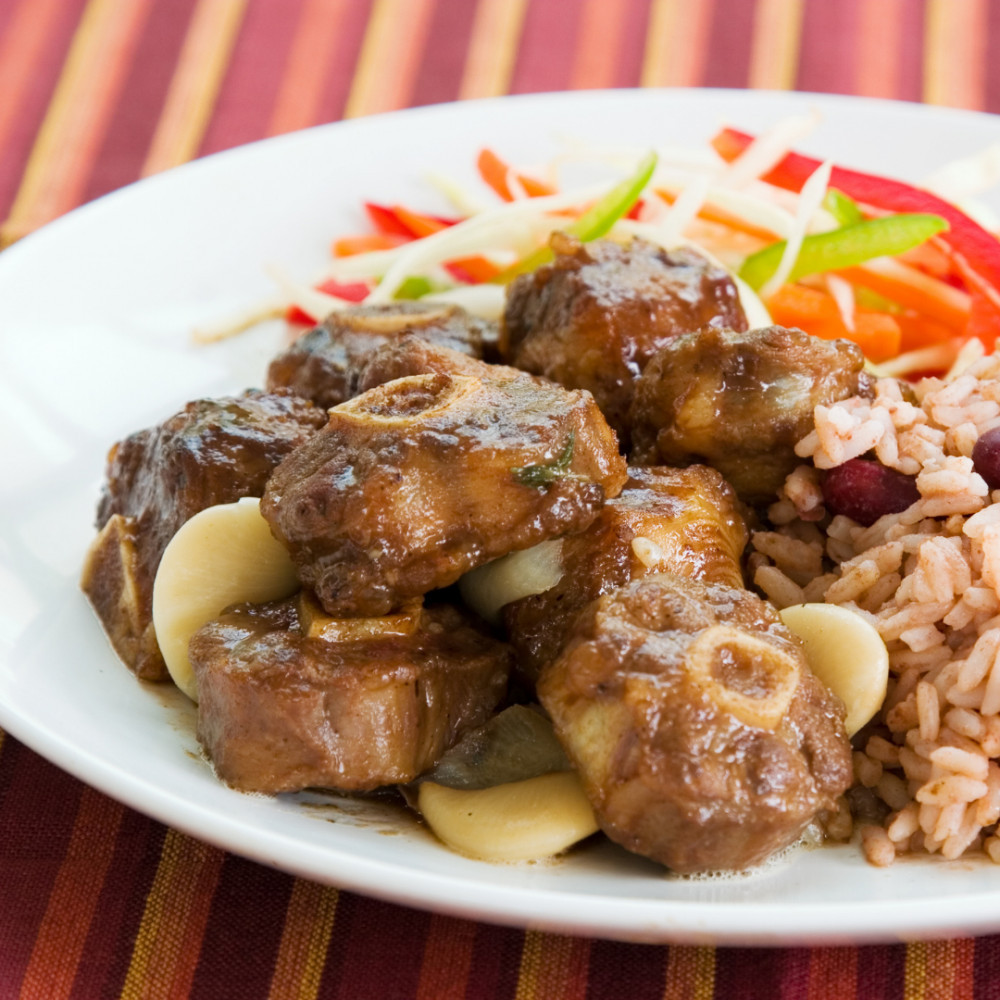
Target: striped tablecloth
point(98, 901)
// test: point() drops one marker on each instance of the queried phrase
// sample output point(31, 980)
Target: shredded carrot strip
point(815, 311)
point(710, 213)
point(984, 320)
point(348, 246)
point(913, 290)
point(419, 225)
point(931, 257)
point(919, 331)
point(473, 270)
point(496, 174)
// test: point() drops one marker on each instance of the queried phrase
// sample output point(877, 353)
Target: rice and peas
point(928, 579)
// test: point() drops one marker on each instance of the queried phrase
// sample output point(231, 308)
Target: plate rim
point(633, 919)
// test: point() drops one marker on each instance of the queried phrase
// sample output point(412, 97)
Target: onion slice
point(516, 744)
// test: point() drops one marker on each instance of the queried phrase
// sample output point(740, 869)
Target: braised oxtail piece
point(325, 364)
point(289, 698)
point(214, 451)
point(702, 739)
point(684, 521)
point(594, 317)
point(739, 401)
point(411, 354)
point(417, 481)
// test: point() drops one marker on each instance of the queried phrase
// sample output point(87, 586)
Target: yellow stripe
point(690, 973)
point(304, 942)
point(704, 987)
point(394, 37)
point(915, 971)
point(496, 33)
point(774, 55)
point(942, 958)
point(553, 967)
point(531, 963)
point(371, 64)
point(195, 85)
point(937, 38)
point(676, 42)
point(86, 93)
point(663, 15)
point(955, 52)
point(166, 948)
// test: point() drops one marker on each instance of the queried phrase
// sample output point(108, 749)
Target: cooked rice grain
point(929, 579)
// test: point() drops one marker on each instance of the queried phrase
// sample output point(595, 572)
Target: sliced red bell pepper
point(295, 316)
point(396, 220)
point(385, 221)
point(350, 291)
point(978, 248)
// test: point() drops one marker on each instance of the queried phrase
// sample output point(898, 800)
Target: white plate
point(94, 318)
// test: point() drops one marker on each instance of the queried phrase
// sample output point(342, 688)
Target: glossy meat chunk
point(280, 710)
point(213, 451)
point(595, 316)
point(411, 354)
point(325, 364)
point(684, 521)
point(417, 481)
point(702, 739)
point(739, 401)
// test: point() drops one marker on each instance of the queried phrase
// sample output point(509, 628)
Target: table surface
point(98, 901)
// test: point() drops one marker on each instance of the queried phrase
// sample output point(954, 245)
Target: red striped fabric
point(98, 901)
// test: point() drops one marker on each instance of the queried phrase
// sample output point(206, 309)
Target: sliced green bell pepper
point(845, 210)
point(845, 247)
point(596, 221)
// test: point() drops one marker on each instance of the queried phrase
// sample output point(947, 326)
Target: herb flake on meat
point(546, 473)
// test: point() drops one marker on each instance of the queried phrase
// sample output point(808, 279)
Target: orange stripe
point(298, 102)
point(396, 34)
point(833, 974)
point(194, 87)
point(878, 48)
point(173, 925)
point(305, 938)
point(690, 973)
point(965, 960)
point(78, 116)
point(553, 967)
point(444, 971)
point(774, 53)
point(23, 42)
point(496, 33)
point(55, 957)
point(597, 46)
point(677, 43)
point(955, 53)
